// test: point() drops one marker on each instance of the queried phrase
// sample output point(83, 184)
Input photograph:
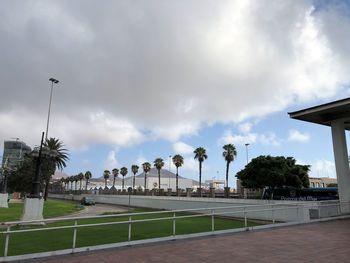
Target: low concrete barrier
point(286, 211)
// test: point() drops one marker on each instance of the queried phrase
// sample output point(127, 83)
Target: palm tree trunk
point(80, 185)
point(133, 182)
point(145, 180)
point(177, 180)
point(46, 188)
point(123, 183)
point(105, 183)
point(227, 168)
point(113, 181)
point(159, 179)
point(200, 178)
point(86, 183)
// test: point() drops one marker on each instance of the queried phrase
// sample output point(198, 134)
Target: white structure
point(336, 115)
point(3, 200)
point(33, 209)
point(167, 180)
point(217, 184)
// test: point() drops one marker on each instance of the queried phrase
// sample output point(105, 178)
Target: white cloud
point(245, 127)
point(161, 75)
point(140, 160)
point(173, 132)
point(111, 161)
point(237, 139)
point(269, 139)
point(297, 136)
point(182, 148)
point(323, 168)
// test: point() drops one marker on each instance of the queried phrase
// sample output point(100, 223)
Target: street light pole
point(48, 115)
point(35, 193)
point(246, 148)
point(169, 169)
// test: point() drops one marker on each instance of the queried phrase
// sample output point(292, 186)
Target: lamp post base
point(33, 209)
point(3, 200)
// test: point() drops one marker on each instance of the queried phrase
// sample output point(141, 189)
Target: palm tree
point(76, 179)
point(178, 161)
point(158, 163)
point(123, 171)
point(146, 168)
point(87, 176)
point(115, 173)
point(63, 181)
point(81, 177)
point(60, 159)
point(200, 155)
point(229, 155)
point(70, 179)
point(106, 175)
point(134, 169)
point(67, 180)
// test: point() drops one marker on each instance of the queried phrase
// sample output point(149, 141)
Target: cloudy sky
point(147, 79)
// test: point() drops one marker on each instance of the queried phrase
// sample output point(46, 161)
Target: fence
point(214, 218)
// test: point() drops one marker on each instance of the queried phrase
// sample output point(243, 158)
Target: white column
point(341, 162)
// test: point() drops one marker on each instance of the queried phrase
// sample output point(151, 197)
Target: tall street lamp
point(169, 169)
point(48, 115)
point(34, 204)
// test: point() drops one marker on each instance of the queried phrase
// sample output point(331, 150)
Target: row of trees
point(229, 155)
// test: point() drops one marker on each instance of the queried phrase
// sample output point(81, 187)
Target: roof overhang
point(326, 113)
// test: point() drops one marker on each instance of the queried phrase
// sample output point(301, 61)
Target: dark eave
point(325, 113)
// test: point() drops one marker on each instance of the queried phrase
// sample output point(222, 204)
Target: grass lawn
point(52, 208)
point(49, 240)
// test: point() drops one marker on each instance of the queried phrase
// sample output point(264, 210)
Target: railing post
point(174, 224)
point(7, 239)
point(129, 233)
point(74, 235)
point(212, 221)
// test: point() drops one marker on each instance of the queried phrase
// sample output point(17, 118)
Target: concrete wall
point(284, 210)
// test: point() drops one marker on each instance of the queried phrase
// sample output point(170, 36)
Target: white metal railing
point(232, 211)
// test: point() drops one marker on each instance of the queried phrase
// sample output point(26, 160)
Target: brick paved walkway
point(319, 242)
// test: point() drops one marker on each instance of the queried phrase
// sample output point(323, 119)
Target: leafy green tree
point(229, 155)
point(123, 171)
point(146, 166)
point(178, 161)
point(200, 155)
point(272, 172)
point(158, 163)
point(59, 161)
point(106, 175)
point(134, 169)
point(20, 179)
point(87, 176)
point(115, 173)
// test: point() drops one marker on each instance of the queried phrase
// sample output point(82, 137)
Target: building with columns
point(336, 115)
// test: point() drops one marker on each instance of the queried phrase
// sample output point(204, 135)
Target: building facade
point(320, 182)
point(14, 152)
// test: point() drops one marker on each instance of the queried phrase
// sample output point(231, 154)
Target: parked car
point(87, 201)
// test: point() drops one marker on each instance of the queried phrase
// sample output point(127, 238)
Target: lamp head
point(53, 80)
